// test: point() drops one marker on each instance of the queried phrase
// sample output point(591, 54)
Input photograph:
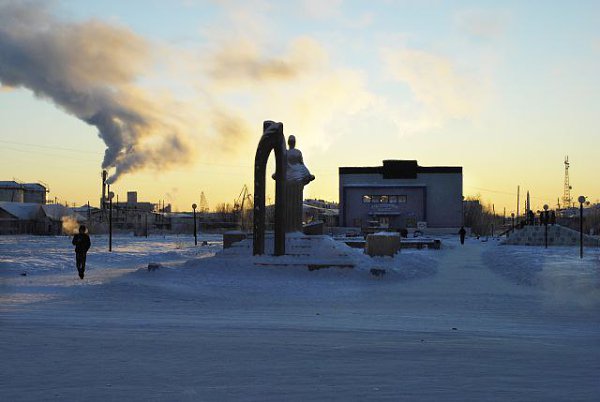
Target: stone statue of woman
point(297, 172)
point(297, 176)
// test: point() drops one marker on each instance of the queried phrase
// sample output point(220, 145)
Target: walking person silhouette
point(462, 232)
point(82, 244)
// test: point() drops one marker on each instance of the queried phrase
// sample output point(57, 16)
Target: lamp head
point(194, 206)
point(581, 199)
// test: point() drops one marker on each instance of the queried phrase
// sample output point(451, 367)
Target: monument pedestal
point(293, 206)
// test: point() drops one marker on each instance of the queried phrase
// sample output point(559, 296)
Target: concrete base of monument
point(311, 251)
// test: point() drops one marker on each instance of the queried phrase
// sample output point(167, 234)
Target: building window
point(384, 199)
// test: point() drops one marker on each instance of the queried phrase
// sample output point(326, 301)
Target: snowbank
point(557, 270)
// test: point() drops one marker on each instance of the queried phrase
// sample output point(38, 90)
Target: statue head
point(292, 141)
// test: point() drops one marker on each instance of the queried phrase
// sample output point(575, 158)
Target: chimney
point(103, 200)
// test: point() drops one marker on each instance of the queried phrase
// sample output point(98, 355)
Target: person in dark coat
point(82, 244)
point(462, 232)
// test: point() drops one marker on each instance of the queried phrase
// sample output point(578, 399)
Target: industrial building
point(12, 191)
point(34, 218)
point(401, 194)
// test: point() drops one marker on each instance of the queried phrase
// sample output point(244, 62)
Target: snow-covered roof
point(58, 211)
point(326, 211)
point(83, 210)
point(21, 210)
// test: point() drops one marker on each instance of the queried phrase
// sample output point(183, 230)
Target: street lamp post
point(110, 198)
point(546, 224)
point(581, 200)
point(512, 215)
point(195, 232)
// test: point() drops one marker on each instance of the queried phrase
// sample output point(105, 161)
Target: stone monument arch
point(271, 140)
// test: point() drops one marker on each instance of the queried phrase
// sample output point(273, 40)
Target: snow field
point(473, 322)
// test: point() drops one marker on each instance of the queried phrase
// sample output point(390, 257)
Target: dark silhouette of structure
point(271, 140)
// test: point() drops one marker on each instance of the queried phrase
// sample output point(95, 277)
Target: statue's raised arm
point(296, 169)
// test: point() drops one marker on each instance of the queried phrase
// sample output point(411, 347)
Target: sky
point(170, 96)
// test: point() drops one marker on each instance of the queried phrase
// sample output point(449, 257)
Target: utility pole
point(518, 193)
point(581, 200)
point(546, 219)
point(194, 206)
point(493, 218)
point(110, 198)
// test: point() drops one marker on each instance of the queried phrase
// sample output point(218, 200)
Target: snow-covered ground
point(474, 322)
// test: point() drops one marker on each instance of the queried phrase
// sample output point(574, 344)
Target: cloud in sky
point(90, 69)
point(443, 91)
point(322, 9)
point(99, 72)
point(157, 106)
point(484, 24)
point(240, 61)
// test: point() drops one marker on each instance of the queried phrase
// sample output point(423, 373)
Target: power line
point(62, 157)
point(50, 147)
point(507, 193)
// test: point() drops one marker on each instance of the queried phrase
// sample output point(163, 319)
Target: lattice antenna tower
point(567, 190)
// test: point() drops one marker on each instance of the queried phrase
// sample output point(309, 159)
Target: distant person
point(82, 244)
point(531, 218)
point(462, 232)
point(552, 218)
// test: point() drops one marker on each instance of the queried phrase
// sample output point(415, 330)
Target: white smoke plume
point(90, 69)
point(98, 72)
point(70, 226)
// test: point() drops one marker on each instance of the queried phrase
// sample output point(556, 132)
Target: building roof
point(31, 211)
point(400, 169)
point(9, 184)
point(21, 210)
point(34, 186)
point(29, 186)
point(56, 211)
